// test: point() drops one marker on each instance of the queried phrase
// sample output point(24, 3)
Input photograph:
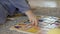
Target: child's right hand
point(32, 18)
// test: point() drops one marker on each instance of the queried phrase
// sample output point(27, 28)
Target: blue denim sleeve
point(8, 6)
point(3, 14)
point(22, 5)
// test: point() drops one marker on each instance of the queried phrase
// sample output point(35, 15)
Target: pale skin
point(32, 17)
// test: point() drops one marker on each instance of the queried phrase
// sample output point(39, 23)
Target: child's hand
point(32, 18)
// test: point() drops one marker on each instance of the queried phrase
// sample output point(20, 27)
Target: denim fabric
point(3, 14)
point(8, 7)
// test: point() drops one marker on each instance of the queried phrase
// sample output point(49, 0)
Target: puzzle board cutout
point(45, 23)
point(25, 29)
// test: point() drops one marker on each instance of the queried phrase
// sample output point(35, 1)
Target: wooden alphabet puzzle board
point(24, 28)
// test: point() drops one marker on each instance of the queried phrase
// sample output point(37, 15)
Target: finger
point(36, 22)
point(33, 22)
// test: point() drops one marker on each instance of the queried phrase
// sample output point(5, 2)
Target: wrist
point(29, 13)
